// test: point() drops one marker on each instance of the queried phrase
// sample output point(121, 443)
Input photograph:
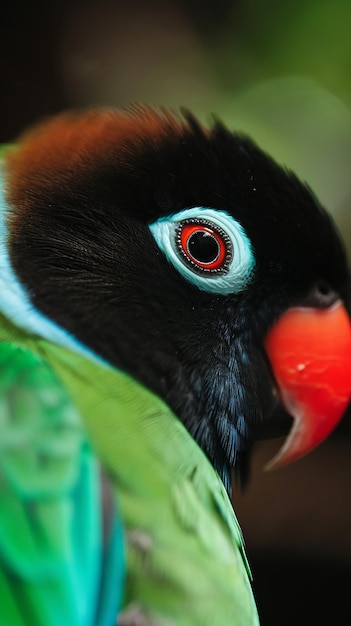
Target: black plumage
point(92, 265)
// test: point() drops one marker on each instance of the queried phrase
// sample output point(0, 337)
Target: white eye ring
point(224, 258)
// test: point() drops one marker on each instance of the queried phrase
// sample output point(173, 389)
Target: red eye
point(204, 247)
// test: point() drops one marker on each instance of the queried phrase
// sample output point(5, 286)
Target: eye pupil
point(203, 247)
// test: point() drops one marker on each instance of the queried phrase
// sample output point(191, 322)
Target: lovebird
point(169, 295)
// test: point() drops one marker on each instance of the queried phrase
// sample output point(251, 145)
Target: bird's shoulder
point(179, 522)
point(172, 502)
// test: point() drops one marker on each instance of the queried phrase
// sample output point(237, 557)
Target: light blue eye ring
point(208, 247)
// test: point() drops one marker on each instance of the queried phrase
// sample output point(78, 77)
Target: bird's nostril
point(324, 289)
point(322, 295)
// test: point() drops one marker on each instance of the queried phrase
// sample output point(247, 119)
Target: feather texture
point(51, 536)
point(174, 507)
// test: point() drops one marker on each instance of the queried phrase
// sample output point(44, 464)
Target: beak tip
point(315, 395)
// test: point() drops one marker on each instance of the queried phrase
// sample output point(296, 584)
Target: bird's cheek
point(310, 354)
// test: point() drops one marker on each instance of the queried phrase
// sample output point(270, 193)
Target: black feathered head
point(171, 250)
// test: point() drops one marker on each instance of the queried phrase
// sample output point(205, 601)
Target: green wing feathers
point(185, 562)
point(185, 557)
point(50, 513)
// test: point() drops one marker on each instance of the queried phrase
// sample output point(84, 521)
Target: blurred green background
point(280, 71)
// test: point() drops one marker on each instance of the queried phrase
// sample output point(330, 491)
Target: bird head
point(188, 258)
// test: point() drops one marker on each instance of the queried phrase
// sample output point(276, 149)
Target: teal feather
point(51, 535)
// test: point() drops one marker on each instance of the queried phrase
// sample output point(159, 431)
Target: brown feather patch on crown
point(71, 145)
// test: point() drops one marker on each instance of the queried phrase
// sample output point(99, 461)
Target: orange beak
point(310, 355)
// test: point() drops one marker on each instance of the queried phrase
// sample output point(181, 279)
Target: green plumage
point(47, 523)
point(185, 559)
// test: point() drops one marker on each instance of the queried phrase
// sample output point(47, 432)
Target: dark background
point(280, 72)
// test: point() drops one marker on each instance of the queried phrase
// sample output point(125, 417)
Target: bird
point(169, 295)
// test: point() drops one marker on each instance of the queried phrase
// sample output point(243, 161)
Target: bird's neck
point(15, 302)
